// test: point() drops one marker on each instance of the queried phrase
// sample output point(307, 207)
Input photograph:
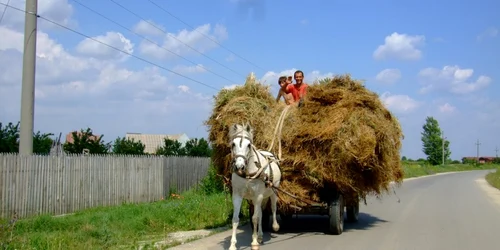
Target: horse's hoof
point(260, 240)
point(255, 247)
point(276, 227)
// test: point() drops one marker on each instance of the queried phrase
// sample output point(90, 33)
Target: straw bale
point(342, 137)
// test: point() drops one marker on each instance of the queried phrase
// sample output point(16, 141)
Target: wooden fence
point(32, 185)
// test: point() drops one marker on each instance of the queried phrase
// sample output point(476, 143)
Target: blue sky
point(424, 58)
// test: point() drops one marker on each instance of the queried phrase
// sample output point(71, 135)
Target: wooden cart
point(335, 207)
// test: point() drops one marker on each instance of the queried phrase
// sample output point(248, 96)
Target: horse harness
point(268, 180)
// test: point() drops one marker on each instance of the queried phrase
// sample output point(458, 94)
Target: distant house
point(155, 141)
point(486, 159)
point(482, 159)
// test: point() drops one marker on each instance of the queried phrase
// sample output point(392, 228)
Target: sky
point(169, 58)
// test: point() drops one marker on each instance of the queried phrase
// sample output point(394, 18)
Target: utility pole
point(496, 152)
point(477, 145)
point(28, 87)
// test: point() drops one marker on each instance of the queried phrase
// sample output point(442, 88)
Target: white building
point(155, 141)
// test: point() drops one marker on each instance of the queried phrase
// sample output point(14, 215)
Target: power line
point(152, 24)
point(496, 152)
point(4, 10)
point(110, 46)
point(149, 40)
point(213, 40)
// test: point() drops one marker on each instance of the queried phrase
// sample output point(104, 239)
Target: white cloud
point(59, 11)
point(447, 108)
point(182, 69)
point(400, 46)
point(91, 48)
point(452, 79)
point(488, 33)
point(75, 90)
point(183, 88)
point(148, 28)
point(399, 103)
point(231, 86)
point(388, 76)
point(182, 42)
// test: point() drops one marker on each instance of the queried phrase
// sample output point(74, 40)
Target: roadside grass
point(414, 169)
point(120, 226)
point(130, 225)
point(494, 178)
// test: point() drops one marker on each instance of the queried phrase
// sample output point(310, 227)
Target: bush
point(212, 183)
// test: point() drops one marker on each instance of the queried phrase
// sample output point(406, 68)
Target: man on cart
point(297, 90)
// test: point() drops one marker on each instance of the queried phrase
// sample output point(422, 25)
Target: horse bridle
point(245, 158)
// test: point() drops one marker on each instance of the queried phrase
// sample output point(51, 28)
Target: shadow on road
point(301, 226)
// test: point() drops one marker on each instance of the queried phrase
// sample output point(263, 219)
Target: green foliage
point(469, 161)
point(86, 140)
point(9, 140)
point(195, 147)
point(496, 160)
point(42, 143)
point(128, 146)
point(433, 142)
point(416, 170)
point(212, 183)
point(494, 178)
point(121, 227)
point(171, 148)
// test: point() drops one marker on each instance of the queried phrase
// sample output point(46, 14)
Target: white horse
point(254, 172)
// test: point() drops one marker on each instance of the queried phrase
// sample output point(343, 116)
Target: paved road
point(444, 212)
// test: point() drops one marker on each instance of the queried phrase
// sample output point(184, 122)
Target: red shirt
point(297, 91)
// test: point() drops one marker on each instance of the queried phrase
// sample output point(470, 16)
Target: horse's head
point(241, 138)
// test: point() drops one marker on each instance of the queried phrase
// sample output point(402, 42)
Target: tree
point(128, 146)
point(86, 140)
point(9, 138)
point(433, 142)
point(42, 143)
point(195, 147)
point(171, 147)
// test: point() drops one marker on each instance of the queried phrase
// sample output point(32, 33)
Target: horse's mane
point(238, 130)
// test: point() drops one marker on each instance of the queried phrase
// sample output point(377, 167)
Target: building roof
point(154, 141)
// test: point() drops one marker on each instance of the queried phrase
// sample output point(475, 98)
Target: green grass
point(123, 227)
point(415, 169)
point(494, 178)
point(120, 226)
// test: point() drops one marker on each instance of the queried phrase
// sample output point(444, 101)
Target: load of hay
point(342, 137)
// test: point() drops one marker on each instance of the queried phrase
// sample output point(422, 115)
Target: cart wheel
point(352, 213)
point(265, 218)
point(336, 213)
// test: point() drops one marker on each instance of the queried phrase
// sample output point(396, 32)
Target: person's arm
point(280, 94)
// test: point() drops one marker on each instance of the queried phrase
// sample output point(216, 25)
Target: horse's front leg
point(237, 199)
point(256, 219)
point(274, 200)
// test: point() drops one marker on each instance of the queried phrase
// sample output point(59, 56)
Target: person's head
point(299, 76)
point(282, 80)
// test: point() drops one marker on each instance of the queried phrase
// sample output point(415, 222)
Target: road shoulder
point(492, 192)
